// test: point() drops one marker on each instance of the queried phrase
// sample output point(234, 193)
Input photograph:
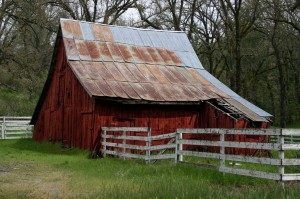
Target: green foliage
point(58, 172)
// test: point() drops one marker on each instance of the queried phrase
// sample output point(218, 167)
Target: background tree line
point(253, 46)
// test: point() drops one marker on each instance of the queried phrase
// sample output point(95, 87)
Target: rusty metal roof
point(139, 64)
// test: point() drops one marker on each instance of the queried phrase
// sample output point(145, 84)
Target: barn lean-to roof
point(144, 66)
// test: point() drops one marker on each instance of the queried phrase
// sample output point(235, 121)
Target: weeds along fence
point(137, 142)
point(15, 127)
point(278, 149)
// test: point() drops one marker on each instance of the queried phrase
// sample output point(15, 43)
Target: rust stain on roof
point(111, 67)
point(136, 55)
point(157, 59)
point(126, 72)
point(102, 33)
point(114, 51)
point(145, 54)
point(104, 88)
point(70, 47)
point(164, 70)
point(144, 94)
point(136, 72)
point(83, 51)
point(103, 72)
point(76, 30)
point(157, 73)
point(92, 70)
point(92, 87)
point(125, 53)
point(104, 52)
point(93, 50)
point(176, 60)
point(129, 90)
point(116, 88)
point(152, 91)
point(165, 56)
point(146, 73)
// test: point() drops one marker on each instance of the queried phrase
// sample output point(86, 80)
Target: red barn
point(104, 75)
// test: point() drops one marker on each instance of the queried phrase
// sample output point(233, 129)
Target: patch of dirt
point(28, 180)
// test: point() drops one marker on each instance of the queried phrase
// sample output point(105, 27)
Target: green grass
point(43, 170)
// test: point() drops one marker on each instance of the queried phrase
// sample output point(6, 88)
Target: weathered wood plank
point(199, 154)
point(290, 146)
point(248, 145)
point(165, 146)
point(250, 159)
point(127, 146)
point(230, 131)
point(245, 172)
point(289, 162)
point(164, 136)
point(121, 137)
point(291, 132)
point(291, 177)
point(132, 129)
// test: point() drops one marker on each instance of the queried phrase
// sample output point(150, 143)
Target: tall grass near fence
point(41, 170)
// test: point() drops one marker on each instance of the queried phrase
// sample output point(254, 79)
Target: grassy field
point(44, 170)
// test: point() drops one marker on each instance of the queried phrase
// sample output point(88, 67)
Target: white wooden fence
point(281, 146)
point(15, 127)
point(122, 143)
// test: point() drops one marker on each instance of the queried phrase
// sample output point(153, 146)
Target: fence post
point(124, 143)
point(222, 150)
point(148, 152)
point(178, 158)
point(104, 143)
point(281, 157)
point(3, 129)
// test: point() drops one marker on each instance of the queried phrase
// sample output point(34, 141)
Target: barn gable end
point(118, 76)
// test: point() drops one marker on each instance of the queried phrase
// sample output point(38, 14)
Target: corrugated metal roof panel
point(103, 72)
point(66, 29)
point(78, 69)
point(144, 94)
point(104, 88)
point(129, 90)
point(184, 56)
point(155, 39)
point(91, 87)
point(167, 74)
point(86, 31)
point(82, 49)
point(102, 33)
point(71, 50)
point(250, 114)
point(122, 35)
point(135, 37)
point(252, 107)
point(125, 52)
point(176, 60)
point(115, 52)
point(104, 52)
point(165, 56)
point(92, 70)
point(138, 58)
point(136, 72)
point(93, 50)
point(125, 72)
point(145, 38)
point(76, 30)
point(158, 74)
point(117, 89)
point(111, 67)
point(152, 92)
point(145, 55)
point(147, 73)
point(157, 59)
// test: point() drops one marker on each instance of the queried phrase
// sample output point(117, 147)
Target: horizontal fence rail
point(15, 127)
point(136, 142)
point(280, 145)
